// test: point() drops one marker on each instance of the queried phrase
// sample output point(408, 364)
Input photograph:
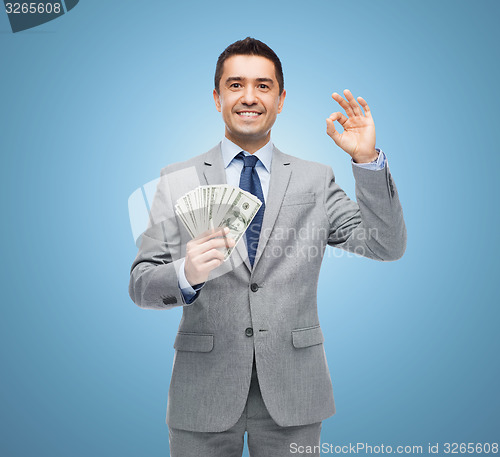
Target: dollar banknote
point(212, 207)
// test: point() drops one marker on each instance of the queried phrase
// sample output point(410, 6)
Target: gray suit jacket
point(270, 309)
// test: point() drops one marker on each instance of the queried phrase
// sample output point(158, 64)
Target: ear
point(217, 101)
point(282, 100)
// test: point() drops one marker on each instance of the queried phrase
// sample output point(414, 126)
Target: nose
point(249, 97)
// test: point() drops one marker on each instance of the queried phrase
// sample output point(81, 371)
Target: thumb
point(332, 132)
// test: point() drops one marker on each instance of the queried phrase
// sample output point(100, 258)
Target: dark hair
point(250, 47)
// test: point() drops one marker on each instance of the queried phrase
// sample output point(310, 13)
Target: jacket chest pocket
point(302, 198)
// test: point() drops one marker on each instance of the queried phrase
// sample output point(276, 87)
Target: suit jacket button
point(254, 287)
point(249, 331)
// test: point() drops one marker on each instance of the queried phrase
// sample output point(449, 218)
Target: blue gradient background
point(95, 103)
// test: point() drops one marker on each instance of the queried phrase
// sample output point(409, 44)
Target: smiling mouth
point(248, 114)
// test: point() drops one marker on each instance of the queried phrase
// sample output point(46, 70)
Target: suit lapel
point(213, 167)
point(280, 176)
point(215, 173)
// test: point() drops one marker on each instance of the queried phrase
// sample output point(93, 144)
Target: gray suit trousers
point(265, 437)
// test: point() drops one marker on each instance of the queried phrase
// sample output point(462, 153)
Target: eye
point(235, 85)
point(263, 86)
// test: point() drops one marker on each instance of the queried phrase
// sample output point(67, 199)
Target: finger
point(210, 255)
point(343, 104)
point(355, 107)
point(194, 250)
point(214, 264)
point(331, 131)
point(229, 241)
point(338, 116)
point(215, 243)
point(212, 233)
point(365, 106)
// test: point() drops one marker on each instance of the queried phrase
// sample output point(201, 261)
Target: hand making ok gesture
point(358, 138)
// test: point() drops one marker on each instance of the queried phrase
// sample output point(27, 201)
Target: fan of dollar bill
point(209, 207)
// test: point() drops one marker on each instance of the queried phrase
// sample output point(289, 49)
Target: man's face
point(249, 100)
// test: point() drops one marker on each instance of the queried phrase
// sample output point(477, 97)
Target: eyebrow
point(239, 78)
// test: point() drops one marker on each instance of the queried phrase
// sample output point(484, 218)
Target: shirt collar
point(230, 150)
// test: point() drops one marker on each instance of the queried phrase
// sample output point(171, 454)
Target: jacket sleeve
point(374, 226)
point(154, 282)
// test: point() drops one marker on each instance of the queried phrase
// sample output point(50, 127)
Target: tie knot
point(249, 161)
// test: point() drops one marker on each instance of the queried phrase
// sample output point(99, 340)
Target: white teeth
point(248, 113)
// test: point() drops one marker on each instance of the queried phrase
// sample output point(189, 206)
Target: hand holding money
point(209, 212)
point(203, 254)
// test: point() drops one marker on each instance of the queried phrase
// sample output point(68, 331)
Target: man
point(249, 351)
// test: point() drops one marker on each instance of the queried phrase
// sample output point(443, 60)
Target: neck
point(249, 144)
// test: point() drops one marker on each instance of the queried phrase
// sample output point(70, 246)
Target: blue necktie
point(250, 182)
